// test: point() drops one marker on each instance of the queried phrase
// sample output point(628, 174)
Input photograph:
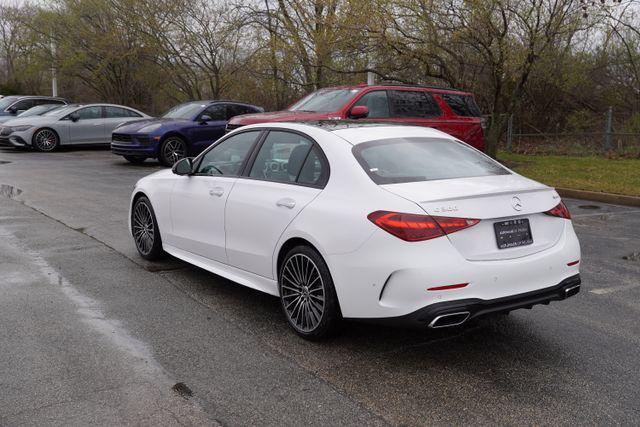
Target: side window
point(131, 113)
point(227, 157)
point(377, 103)
point(115, 112)
point(313, 171)
point(24, 105)
point(88, 113)
point(462, 105)
point(216, 112)
point(407, 103)
point(236, 110)
point(281, 157)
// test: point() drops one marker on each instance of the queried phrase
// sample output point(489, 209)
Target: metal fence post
point(509, 132)
point(608, 130)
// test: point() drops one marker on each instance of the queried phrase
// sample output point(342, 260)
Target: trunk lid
point(490, 199)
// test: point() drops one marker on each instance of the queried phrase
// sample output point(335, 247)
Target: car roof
point(36, 96)
point(355, 132)
point(392, 86)
point(213, 101)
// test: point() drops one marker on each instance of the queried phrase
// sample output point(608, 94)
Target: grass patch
point(620, 176)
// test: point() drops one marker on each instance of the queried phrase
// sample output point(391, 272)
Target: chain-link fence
point(612, 140)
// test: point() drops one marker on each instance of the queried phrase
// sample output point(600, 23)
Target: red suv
point(449, 110)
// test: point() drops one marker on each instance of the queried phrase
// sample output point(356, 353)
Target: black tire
point(172, 149)
point(311, 309)
point(145, 231)
point(136, 160)
point(45, 140)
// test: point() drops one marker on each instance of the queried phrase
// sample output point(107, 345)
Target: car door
point(288, 172)
point(198, 200)
point(88, 128)
point(209, 127)
point(114, 117)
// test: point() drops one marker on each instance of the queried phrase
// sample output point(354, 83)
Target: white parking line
point(601, 213)
point(604, 291)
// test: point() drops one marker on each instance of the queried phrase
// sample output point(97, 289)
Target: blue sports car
point(184, 131)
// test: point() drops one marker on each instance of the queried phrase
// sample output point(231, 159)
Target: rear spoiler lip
point(490, 194)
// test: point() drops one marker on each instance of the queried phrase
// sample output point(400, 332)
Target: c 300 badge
point(443, 209)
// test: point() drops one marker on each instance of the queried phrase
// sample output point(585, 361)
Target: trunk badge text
point(445, 209)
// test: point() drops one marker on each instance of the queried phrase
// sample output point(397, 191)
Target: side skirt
point(234, 274)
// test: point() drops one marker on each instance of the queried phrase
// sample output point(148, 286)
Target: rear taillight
point(560, 211)
point(415, 228)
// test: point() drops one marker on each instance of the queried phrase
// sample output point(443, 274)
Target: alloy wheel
point(46, 140)
point(143, 228)
point(173, 150)
point(302, 291)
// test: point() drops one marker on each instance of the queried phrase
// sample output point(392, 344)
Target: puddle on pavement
point(589, 207)
point(9, 191)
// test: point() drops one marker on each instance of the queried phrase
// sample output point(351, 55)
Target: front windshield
point(324, 100)
point(39, 110)
point(184, 111)
point(5, 102)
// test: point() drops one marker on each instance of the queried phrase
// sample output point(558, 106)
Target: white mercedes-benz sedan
point(375, 222)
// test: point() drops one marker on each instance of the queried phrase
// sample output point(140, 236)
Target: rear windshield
point(462, 105)
point(396, 160)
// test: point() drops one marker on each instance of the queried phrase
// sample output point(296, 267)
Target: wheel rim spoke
point(143, 228)
point(173, 150)
point(302, 292)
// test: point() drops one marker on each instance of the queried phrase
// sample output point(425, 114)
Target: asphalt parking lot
point(92, 334)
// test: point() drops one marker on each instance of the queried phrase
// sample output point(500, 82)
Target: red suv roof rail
point(420, 86)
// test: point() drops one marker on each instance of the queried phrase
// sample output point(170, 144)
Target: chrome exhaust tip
point(571, 291)
point(449, 319)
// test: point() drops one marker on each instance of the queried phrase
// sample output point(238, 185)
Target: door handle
point(216, 191)
point(286, 203)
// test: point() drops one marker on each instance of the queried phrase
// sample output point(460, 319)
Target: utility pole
point(54, 77)
point(608, 130)
point(371, 77)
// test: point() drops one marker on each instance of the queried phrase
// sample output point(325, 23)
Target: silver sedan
point(73, 124)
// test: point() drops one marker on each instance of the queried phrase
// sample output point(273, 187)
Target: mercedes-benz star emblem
point(516, 203)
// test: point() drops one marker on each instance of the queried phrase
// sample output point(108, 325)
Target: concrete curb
point(596, 196)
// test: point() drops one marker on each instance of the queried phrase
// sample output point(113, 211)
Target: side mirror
point(359, 112)
point(183, 167)
point(12, 110)
point(204, 119)
point(74, 117)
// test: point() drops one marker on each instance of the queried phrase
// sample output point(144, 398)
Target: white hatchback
point(340, 220)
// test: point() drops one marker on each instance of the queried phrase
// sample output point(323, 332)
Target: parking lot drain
point(9, 191)
point(592, 207)
point(182, 390)
point(635, 256)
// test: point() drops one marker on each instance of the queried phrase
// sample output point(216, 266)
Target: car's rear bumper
point(457, 312)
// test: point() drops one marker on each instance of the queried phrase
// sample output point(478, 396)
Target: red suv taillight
point(560, 211)
point(415, 228)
